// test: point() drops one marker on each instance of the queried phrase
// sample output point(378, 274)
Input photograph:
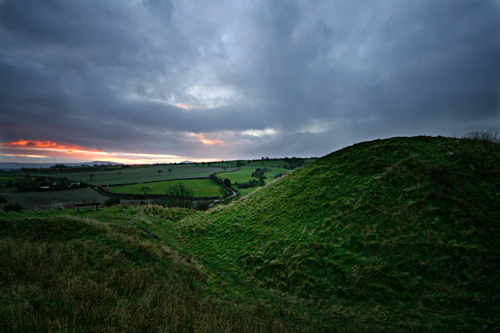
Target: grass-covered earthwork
point(396, 235)
point(400, 233)
point(107, 271)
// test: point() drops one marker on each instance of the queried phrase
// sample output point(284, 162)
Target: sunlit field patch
point(200, 187)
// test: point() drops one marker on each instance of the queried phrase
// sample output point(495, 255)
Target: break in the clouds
point(172, 80)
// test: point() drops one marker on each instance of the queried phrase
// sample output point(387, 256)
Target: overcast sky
point(159, 81)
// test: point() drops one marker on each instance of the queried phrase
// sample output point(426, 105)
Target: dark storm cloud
point(263, 78)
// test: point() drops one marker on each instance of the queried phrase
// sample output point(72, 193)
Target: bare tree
point(159, 172)
point(179, 196)
point(146, 190)
point(91, 176)
point(169, 171)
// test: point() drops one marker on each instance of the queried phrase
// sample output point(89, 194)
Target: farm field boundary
point(104, 191)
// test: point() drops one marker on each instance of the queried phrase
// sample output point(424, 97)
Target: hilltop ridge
point(399, 228)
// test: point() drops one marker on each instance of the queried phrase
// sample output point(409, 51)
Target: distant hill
point(14, 165)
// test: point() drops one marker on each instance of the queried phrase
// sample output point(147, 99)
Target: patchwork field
point(139, 174)
point(51, 199)
point(245, 175)
point(200, 187)
point(4, 181)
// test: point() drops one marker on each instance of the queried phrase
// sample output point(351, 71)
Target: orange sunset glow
point(206, 141)
point(189, 106)
point(34, 144)
point(51, 149)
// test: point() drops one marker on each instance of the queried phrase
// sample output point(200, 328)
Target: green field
point(200, 187)
point(395, 235)
point(52, 199)
point(4, 180)
point(245, 174)
point(139, 174)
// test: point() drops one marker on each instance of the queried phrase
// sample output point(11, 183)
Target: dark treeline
point(60, 168)
point(30, 184)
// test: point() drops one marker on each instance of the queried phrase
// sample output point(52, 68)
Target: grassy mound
point(69, 272)
point(390, 235)
point(400, 233)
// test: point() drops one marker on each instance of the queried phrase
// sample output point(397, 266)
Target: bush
point(279, 175)
point(293, 163)
point(179, 196)
point(251, 183)
point(488, 136)
point(13, 208)
point(481, 152)
point(112, 201)
point(2, 199)
point(202, 205)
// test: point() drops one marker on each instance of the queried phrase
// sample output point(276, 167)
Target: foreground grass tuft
point(75, 274)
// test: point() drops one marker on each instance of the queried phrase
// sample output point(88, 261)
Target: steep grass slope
point(105, 272)
point(396, 234)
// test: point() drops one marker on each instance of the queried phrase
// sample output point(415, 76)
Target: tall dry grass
point(84, 286)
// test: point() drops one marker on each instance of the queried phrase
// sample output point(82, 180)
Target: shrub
point(2, 199)
point(488, 136)
point(251, 183)
point(202, 205)
point(13, 207)
point(293, 163)
point(179, 196)
point(481, 152)
point(112, 201)
point(145, 190)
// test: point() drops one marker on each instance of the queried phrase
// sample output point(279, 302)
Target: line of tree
point(260, 181)
point(249, 184)
point(224, 183)
point(293, 163)
point(259, 173)
point(178, 196)
point(61, 168)
point(29, 184)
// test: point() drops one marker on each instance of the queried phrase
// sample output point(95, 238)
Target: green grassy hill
point(396, 235)
point(401, 233)
point(106, 271)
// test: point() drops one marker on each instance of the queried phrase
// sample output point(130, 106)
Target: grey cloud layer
point(323, 75)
